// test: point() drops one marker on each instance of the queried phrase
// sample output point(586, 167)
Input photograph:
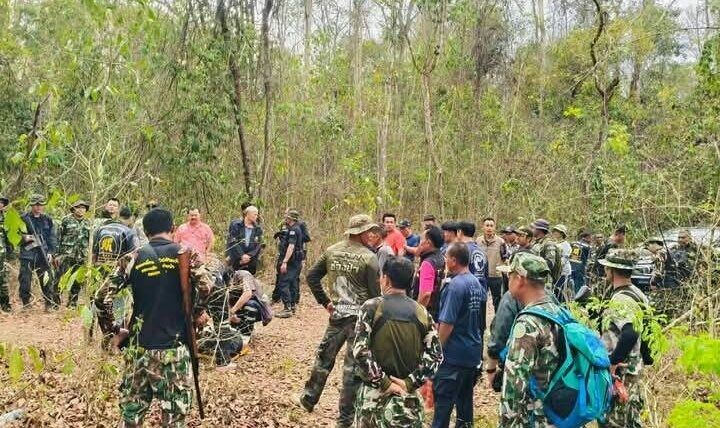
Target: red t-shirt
point(396, 241)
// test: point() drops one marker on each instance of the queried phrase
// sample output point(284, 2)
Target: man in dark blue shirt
point(461, 339)
point(412, 240)
point(37, 249)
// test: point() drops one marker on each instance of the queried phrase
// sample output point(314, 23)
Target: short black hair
point(244, 205)
point(467, 227)
point(450, 226)
point(192, 208)
point(386, 215)
point(428, 217)
point(584, 234)
point(157, 221)
point(435, 235)
point(489, 219)
point(621, 229)
point(460, 252)
point(125, 212)
point(114, 199)
point(400, 271)
point(623, 273)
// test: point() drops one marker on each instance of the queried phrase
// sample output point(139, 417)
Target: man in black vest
point(37, 249)
point(431, 272)
point(157, 358)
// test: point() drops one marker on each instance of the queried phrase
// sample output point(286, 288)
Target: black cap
point(508, 229)
point(404, 224)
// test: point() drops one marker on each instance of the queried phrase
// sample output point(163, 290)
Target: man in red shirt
point(395, 238)
point(195, 234)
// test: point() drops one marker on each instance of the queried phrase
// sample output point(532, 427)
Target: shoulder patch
point(519, 330)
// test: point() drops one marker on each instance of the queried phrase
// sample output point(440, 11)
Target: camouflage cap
point(620, 258)
point(508, 229)
point(80, 203)
point(541, 224)
point(654, 239)
point(293, 215)
point(152, 203)
point(404, 224)
point(37, 199)
point(524, 230)
point(360, 223)
point(527, 265)
point(561, 228)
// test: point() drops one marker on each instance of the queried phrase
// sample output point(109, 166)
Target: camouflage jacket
point(658, 273)
point(532, 359)
point(624, 309)
point(548, 249)
point(3, 239)
point(200, 278)
point(74, 237)
point(370, 368)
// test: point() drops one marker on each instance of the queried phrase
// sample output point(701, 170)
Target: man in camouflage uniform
point(352, 271)
point(545, 247)
point(157, 360)
point(659, 257)
point(397, 349)
point(533, 354)
point(622, 338)
point(4, 249)
point(73, 241)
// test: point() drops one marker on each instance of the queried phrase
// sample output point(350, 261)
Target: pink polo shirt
point(197, 237)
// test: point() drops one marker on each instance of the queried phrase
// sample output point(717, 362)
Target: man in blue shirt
point(461, 339)
point(412, 240)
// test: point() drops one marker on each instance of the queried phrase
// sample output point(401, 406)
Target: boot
point(285, 313)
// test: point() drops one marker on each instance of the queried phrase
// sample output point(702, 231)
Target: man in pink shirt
point(431, 273)
point(195, 234)
point(395, 238)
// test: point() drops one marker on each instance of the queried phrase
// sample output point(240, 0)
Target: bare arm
point(444, 332)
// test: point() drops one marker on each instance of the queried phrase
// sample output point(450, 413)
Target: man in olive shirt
point(352, 272)
point(397, 350)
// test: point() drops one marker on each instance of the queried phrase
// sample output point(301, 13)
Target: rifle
point(667, 250)
point(41, 244)
point(184, 266)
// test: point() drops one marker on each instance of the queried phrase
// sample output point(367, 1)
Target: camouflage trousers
point(373, 410)
point(156, 374)
point(337, 332)
point(4, 292)
point(627, 415)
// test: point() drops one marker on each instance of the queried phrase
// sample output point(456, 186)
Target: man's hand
point(118, 339)
point(50, 260)
point(245, 259)
point(330, 308)
point(400, 382)
point(614, 367)
point(283, 268)
point(56, 262)
point(28, 239)
point(202, 319)
point(394, 389)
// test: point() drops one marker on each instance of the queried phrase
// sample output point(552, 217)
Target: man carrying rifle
point(37, 247)
point(169, 287)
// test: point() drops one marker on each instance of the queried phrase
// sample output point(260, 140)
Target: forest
point(592, 113)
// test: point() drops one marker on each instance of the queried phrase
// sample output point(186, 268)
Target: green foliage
point(691, 414)
point(700, 354)
point(16, 364)
point(14, 226)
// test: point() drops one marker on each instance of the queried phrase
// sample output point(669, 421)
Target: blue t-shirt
point(412, 241)
point(460, 304)
point(479, 267)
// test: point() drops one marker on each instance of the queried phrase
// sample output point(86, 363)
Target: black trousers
point(495, 284)
point(453, 388)
point(287, 282)
point(39, 267)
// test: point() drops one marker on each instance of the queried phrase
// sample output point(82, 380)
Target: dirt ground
point(76, 384)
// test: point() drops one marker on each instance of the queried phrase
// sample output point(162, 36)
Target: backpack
point(580, 390)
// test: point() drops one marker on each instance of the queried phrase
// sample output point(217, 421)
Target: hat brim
point(361, 229)
point(87, 207)
point(610, 264)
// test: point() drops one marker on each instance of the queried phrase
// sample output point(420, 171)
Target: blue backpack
point(580, 390)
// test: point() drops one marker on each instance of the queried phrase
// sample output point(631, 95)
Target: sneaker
point(298, 400)
point(285, 313)
point(293, 308)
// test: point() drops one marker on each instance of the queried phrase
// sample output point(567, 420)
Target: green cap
point(524, 230)
point(620, 258)
point(528, 265)
point(80, 203)
point(360, 223)
point(37, 199)
point(293, 215)
point(561, 228)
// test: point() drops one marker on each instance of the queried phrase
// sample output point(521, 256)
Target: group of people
point(410, 308)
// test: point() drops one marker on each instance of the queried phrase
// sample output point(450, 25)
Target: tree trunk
point(356, 49)
point(307, 51)
point(267, 85)
point(237, 96)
